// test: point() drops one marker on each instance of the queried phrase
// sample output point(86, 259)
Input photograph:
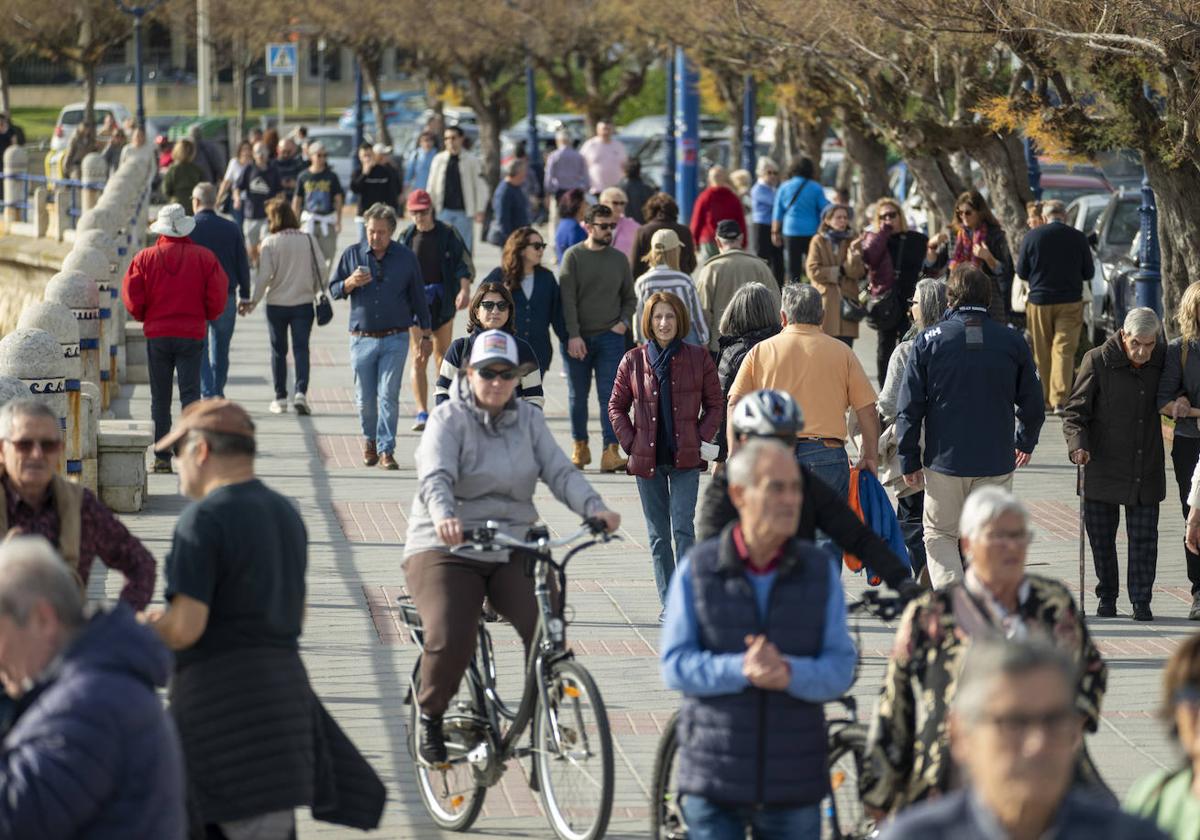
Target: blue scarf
point(660, 363)
point(837, 236)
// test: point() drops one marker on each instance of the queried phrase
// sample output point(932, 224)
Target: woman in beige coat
point(835, 267)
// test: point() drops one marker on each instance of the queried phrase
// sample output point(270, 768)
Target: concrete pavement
point(360, 659)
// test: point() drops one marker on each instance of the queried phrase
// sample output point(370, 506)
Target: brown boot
point(387, 462)
point(581, 456)
point(611, 460)
point(370, 455)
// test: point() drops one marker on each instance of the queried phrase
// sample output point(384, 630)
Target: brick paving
point(360, 657)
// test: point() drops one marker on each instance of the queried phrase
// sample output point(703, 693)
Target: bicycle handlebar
point(491, 538)
point(884, 607)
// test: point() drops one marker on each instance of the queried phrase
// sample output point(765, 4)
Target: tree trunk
point(492, 110)
point(1007, 177)
point(5, 100)
point(1175, 192)
point(811, 139)
point(961, 163)
point(371, 61)
point(870, 155)
point(939, 187)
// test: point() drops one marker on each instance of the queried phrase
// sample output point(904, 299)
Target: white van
point(72, 115)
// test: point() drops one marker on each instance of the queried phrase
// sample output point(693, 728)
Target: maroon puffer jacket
point(695, 401)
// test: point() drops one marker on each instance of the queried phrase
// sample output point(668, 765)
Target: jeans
point(669, 505)
point(910, 512)
point(604, 352)
point(795, 253)
point(300, 319)
point(169, 358)
point(214, 363)
point(706, 820)
point(461, 222)
point(378, 367)
point(831, 465)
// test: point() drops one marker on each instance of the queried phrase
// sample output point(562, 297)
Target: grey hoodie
point(477, 468)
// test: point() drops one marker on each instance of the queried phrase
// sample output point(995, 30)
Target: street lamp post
point(668, 184)
point(138, 12)
point(321, 70)
point(749, 122)
point(532, 151)
point(1148, 279)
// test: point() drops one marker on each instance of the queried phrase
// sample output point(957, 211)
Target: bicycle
point(842, 814)
point(571, 748)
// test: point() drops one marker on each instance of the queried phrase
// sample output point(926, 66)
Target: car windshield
point(76, 117)
point(1066, 194)
point(1126, 222)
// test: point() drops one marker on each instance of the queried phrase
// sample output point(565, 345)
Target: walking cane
point(1079, 489)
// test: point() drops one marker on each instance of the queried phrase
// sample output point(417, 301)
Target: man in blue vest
point(755, 637)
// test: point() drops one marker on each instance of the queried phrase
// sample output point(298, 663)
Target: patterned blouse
point(908, 750)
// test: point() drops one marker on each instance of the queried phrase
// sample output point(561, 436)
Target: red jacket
point(713, 205)
point(174, 288)
point(696, 402)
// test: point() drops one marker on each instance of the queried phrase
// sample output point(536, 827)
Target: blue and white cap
point(492, 346)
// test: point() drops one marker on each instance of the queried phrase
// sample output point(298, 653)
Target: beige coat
point(835, 276)
point(723, 275)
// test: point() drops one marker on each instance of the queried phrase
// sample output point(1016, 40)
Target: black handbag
point(883, 311)
point(321, 304)
point(852, 310)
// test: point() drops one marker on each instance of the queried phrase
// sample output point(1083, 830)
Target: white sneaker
point(277, 407)
point(300, 403)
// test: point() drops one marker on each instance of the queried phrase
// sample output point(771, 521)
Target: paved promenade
point(360, 659)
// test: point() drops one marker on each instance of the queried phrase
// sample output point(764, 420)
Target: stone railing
point(68, 347)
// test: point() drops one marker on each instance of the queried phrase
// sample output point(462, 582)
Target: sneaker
point(1141, 612)
point(387, 462)
point(433, 741)
point(370, 455)
point(1107, 608)
point(162, 466)
point(300, 403)
point(277, 407)
point(1194, 614)
point(419, 424)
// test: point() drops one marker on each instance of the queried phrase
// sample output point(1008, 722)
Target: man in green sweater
point(598, 303)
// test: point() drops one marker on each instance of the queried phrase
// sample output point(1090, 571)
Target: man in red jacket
point(714, 204)
point(174, 288)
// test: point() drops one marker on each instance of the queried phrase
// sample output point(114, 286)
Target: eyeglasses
point(1016, 537)
point(488, 374)
point(494, 305)
point(1016, 727)
point(541, 246)
point(48, 445)
point(603, 225)
point(889, 215)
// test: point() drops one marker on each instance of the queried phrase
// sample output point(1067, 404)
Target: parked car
point(548, 125)
point(1112, 237)
point(1122, 168)
point(339, 146)
point(1085, 211)
point(1068, 186)
point(72, 115)
point(398, 106)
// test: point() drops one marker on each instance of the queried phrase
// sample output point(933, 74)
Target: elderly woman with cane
point(1112, 430)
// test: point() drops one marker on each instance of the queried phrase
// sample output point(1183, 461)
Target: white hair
point(765, 163)
point(985, 506)
point(31, 570)
point(990, 659)
point(23, 407)
point(1142, 321)
point(742, 468)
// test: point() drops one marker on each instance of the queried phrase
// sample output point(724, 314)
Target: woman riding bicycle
point(479, 459)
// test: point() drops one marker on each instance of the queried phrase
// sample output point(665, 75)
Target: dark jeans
point(708, 820)
point(604, 352)
point(768, 250)
point(214, 363)
point(886, 341)
point(831, 465)
point(909, 511)
point(171, 358)
point(795, 250)
point(299, 319)
point(1184, 452)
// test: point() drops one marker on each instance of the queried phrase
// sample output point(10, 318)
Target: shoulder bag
point(885, 311)
point(321, 305)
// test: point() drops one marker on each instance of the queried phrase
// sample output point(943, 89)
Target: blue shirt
point(416, 174)
point(224, 238)
point(762, 203)
point(569, 233)
point(687, 667)
point(801, 217)
point(394, 296)
point(510, 207)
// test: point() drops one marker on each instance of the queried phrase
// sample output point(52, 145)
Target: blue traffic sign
point(281, 59)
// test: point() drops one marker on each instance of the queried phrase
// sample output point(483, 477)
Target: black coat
point(1113, 415)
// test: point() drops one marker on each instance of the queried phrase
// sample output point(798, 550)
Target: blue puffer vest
point(756, 747)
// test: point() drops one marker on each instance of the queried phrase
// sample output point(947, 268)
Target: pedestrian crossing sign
point(281, 59)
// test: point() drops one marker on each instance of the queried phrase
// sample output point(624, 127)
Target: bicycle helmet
point(767, 413)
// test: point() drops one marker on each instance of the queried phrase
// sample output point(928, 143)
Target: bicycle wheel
point(573, 754)
point(451, 793)
point(844, 817)
point(666, 817)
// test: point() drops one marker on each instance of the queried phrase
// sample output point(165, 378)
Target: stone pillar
point(106, 245)
point(93, 263)
point(79, 293)
point(93, 173)
point(60, 322)
point(90, 416)
point(122, 446)
point(11, 388)
point(16, 159)
point(36, 358)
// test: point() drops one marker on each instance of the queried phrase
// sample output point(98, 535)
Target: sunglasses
point(541, 246)
point(618, 203)
point(891, 215)
point(494, 305)
point(488, 374)
point(965, 212)
point(603, 226)
point(48, 446)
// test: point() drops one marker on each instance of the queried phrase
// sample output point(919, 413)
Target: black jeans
point(885, 343)
point(768, 250)
point(796, 253)
point(299, 319)
point(1184, 452)
point(910, 512)
point(171, 358)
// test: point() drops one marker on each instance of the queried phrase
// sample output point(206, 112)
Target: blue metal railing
point(72, 187)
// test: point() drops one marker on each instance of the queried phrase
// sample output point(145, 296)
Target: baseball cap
point(381, 149)
point(665, 239)
point(419, 200)
point(220, 415)
point(492, 346)
point(728, 229)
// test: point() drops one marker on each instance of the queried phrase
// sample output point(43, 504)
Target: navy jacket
point(395, 297)
point(456, 264)
point(510, 208)
point(224, 238)
point(537, 315)
point(963, 392)
point(1056, 260)
point(93, 754)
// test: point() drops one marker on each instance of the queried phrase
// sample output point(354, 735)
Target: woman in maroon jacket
point(669, 379)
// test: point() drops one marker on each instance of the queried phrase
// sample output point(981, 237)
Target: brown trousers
point(1054, 329)
point(449, 593)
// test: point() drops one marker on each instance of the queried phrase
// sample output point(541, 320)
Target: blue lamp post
point(138, 12)
point(687, 166)
point(749, 122)
point(1148, 279)
point(358, 105)
point(531, 112)
point(668, 184)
